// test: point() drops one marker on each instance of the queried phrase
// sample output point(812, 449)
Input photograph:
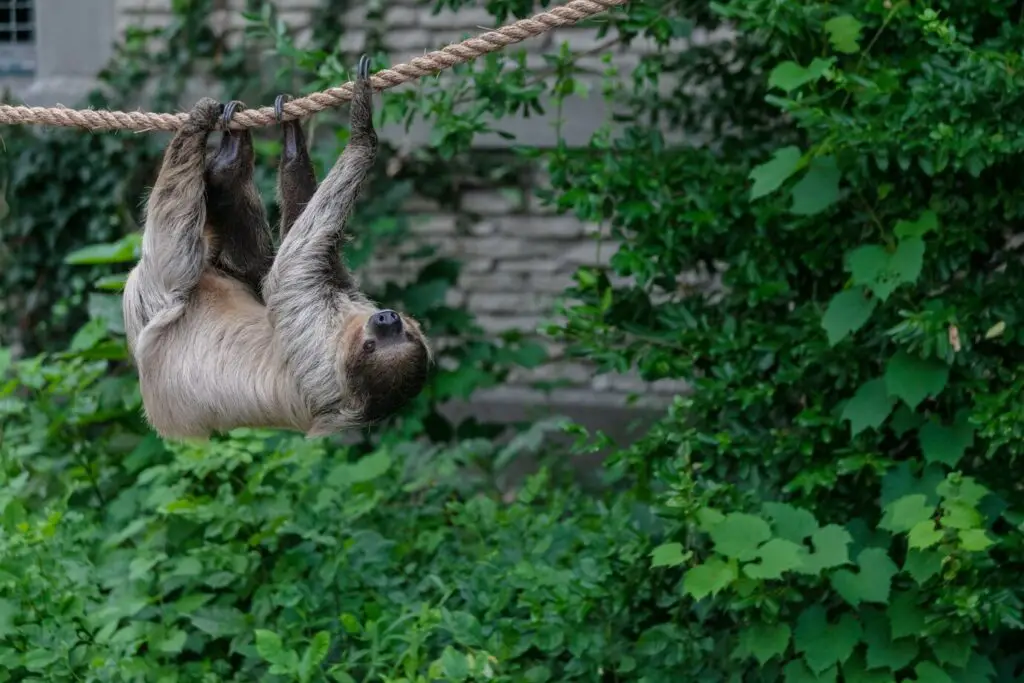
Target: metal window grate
point(17, 36)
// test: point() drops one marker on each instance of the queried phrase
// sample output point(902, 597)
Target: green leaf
point(831, 549)
point(921, 565)
point(39, 659)
point(455, 664)
point(913, 379)
point(823, 644)
point(903, 420)
point(927, 672)
point(764, 641)
point(770, 175)
point(350, 623)
point(190, 603)
point(318, 648)
point(219, 621)
point(365, 469)
point(173, 642)
point(846, 313)
point(906, 618)
point(867, 263)
point(7, 611)
point(904, 513)
point(900, 481)
point(959, 514)
point(709, 578)
point(739, 535)
point(465, 628)
point(967, 491)
point(844, 33)
point(873, 581)
point(892, 655)
point(871, 265)
point(924, 224)
point(708, 518)
point(122, 251)
point(89, 335)
point(777, 557)
point(954, 649)
point(788, 75)
point(882, 650)
point(111, 283)
point(791, 523)
point(797, 672)
point(855, 671)
point(269, 645)
point(869, 406)
point(669, 555)
point(906, 262)
point(975, 540)
point(945, 444)
point(979, 669)
point(924, 535)
point(818, 189)
point(537, 674)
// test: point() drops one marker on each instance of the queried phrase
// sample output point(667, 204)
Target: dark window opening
point(17, 36)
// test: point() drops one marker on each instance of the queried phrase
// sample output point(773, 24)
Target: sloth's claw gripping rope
point(363, 68)
point(445, 58)
point(279, 106)
point(229, 112)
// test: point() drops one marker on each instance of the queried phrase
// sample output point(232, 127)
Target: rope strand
point(302, 107)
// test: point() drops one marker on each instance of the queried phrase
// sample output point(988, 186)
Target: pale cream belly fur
point(218, 366)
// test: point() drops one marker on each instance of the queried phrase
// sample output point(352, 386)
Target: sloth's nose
point(386, 323)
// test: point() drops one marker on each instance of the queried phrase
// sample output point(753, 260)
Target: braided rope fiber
point(302, 107)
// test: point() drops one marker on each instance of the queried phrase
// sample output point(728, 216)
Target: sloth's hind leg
point(237, 216)
point(296, 179)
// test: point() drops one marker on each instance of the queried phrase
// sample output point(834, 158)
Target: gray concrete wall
point(74, 40)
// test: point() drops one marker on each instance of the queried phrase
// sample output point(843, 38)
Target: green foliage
point(840, 480)
point(835, 501)
point(272, 557)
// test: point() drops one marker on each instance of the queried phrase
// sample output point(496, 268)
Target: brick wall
point(517, 257)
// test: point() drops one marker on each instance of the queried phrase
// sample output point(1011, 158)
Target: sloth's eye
point(369, 345)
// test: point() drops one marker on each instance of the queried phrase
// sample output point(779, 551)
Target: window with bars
point(17, 36)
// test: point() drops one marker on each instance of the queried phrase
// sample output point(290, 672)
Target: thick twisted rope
point(430, 63)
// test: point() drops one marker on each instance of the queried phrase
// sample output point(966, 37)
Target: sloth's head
point(385, 359)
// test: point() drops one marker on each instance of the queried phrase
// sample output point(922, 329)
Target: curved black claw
point(363, 68)
point(279, 106)
point(229, 111)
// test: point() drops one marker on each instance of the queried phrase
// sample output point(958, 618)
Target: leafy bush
point(840, 475)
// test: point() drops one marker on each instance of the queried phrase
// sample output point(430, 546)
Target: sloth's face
point(385, 364)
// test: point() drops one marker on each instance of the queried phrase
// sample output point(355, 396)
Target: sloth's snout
point(385, 323)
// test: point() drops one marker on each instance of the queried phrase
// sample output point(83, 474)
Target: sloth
point(224, 332)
